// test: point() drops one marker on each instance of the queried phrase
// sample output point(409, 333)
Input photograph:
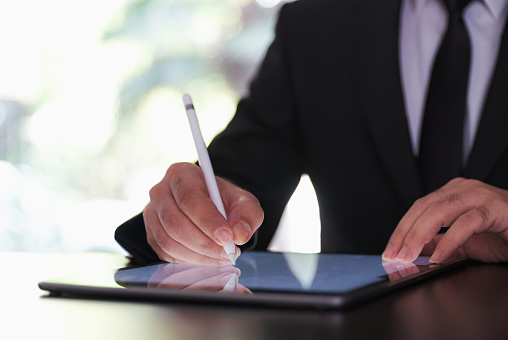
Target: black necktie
point(441, 140)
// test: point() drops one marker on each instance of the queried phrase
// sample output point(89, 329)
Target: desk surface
point(467, 303)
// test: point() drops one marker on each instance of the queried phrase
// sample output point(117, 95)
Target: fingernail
point(224, 236)
point(436, 256)
point(388, 253)
point(402, 254)
point(238, 252)
point(242, 231)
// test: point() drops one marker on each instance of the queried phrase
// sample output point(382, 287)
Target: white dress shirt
point(423, 25)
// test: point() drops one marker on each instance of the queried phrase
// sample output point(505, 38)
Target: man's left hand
point(477, 216)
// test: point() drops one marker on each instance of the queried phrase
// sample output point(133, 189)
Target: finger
point(244, 211)
point(178, 225)
point(170, 250)
point(474, 221)
point(181, 229)
point(188, 187)
point(420, 206)
point(396, 240)
point(152, 222)
point(439, 214)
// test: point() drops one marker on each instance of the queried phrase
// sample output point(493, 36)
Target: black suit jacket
point(328, 102)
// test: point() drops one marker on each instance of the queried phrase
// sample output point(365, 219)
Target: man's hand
point(476, 213)
point(183, 225)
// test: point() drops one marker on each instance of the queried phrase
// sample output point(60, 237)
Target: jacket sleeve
point(131, 235)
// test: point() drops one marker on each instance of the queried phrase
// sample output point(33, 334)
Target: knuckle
point(174, 170)
point(153, 193)
point(457, 180)
point(478, 188)
point(256, 214)
point(446, 201)
point(251, 197)
point(454, 196)
point(420, 203)
point(174, 177)
point(483, 212)
point(472, 182)
point(177, 182)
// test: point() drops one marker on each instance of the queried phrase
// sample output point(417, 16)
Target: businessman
point(398, 112)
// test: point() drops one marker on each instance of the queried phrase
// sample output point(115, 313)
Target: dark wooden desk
point(468, 303)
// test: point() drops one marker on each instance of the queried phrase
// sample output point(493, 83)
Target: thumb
point(244, 212)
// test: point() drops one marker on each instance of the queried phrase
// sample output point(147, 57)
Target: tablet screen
point(289, 272)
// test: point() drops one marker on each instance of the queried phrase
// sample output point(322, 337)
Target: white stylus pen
point(206, 167)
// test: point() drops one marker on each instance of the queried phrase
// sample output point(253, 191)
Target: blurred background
point(91, 113)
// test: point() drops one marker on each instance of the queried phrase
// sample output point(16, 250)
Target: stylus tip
point(232, 258)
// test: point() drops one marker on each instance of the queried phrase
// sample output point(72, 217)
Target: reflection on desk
point(467, 303)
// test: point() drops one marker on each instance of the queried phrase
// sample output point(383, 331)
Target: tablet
point(259, 278)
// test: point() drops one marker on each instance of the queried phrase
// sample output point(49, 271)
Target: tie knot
point(456, 6)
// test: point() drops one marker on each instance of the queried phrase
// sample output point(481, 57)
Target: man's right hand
point(183, 225)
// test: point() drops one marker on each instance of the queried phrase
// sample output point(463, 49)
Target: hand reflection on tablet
point(220, 279)
point(397, 270)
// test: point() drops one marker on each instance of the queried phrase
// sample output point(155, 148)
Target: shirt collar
point(497, 8)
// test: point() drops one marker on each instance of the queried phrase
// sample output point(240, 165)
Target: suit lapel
point(491, 139)
point(377, 43)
